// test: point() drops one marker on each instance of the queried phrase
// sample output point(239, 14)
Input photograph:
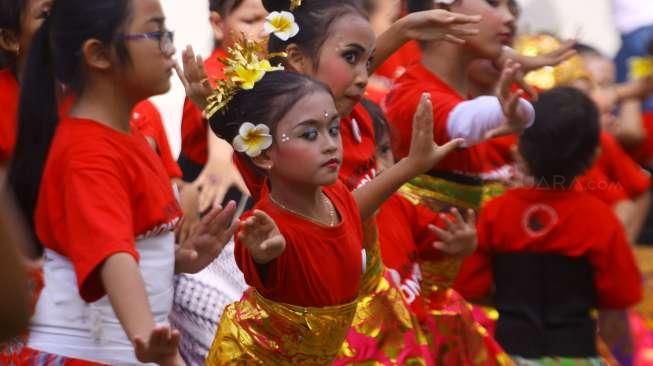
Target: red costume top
point(562, 222)
point(320, 266)
point(101, 189)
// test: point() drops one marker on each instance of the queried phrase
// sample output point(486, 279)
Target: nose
point(331, 144)
point(508, 17)
point(362, 75)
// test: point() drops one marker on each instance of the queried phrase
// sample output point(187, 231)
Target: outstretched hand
point(161, 347)
point(424, 152)
point(262, 237)
point(439, 25)
point(516, 118)
point(194, 78)
point(206, 240)
point(459, 237)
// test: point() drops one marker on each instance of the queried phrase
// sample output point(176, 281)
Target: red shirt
point(9, 92)
point(614, 176)
point(101, 189)
point(321, 266)
point(401, 105)
point(359, 149)
point(147, 119)
point(403, 235)
point(194, 128)
point(563, 222)
point(396, 64)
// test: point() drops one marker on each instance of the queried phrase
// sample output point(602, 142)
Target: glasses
point(165, 39)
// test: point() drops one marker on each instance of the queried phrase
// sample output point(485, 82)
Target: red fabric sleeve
point(620, 168)
point(98, 220)
point(616, 276)
point(194, 134)
point(147, 119)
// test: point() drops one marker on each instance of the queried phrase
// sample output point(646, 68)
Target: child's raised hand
point(161, 347)
point(206, 240)
point(424, 152)
point(438, 25)
point(262, 237)
point(517, 118)
point(530, 63)
point(459, 237)
point(194, 78)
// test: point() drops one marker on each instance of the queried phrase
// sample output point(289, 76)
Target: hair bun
point(276, 5)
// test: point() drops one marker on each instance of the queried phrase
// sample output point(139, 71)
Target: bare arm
point(124, 285)
point(430, 25)
point(14, 308)
point(423, 155)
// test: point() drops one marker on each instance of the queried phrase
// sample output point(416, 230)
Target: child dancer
point(109, 246)
point(411, 235)
point(299, 309)
point(553, 267)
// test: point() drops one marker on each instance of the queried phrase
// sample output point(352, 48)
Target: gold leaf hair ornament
point(549, 77)
point(245, 65)
point(294, 4)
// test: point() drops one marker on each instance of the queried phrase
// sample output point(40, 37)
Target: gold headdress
point(245, 64)
point(550, 76)
point(294, 4)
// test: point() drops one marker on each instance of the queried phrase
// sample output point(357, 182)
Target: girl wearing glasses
point(95, 194)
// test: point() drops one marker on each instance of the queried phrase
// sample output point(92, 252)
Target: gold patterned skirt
point(258, 331)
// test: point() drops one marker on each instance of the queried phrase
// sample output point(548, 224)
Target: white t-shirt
point(632, 14)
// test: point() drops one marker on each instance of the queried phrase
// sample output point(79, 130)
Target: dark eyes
point(312, 133)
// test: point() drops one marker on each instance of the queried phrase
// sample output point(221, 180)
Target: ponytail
point(37, 122)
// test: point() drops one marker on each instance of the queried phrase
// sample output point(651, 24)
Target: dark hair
point(55, 57)
point(379, 121)
point(314, 18)
point(270, 99)
point(562, 142)
point(224, 7)
point(586, 50)
point(11, 13)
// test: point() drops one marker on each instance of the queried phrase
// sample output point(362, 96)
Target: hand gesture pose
point(517, 118)
point(424, 152)
point(459, 237)
point(206, 240)
point(262, 237)
point(439, 25)
point(193, 77)
point(161, 347)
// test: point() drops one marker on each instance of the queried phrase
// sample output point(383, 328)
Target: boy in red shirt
point(549, 264)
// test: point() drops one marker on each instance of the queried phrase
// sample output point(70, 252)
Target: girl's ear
point(217, 25)
point(263, 161)
point(298, 61)
point(96, 55)
point(9, 41)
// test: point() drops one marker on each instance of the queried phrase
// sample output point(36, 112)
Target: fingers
point(182, 77)
point(471, 218)
point(450, 146)
point(220, 219)
point(510, 104)
point(423, 118)
point(459, 18)
point(444, 235)
point(453, 39)
point(207, 195)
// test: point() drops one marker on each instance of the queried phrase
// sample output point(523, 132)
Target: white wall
point(189, 20)
point(587, 20)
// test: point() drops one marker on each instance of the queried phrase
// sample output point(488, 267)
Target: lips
point(332, 163)
point(507, 38)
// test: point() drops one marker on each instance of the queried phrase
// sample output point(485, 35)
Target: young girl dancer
point(299, 308)
point(109, 246)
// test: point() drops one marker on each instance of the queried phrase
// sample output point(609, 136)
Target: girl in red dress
point(79, 180)
point(300, 249)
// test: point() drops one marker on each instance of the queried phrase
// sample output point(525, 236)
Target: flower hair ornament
point(294, 4)
point(252, 140)
point(282, 24)
point(244, 66)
